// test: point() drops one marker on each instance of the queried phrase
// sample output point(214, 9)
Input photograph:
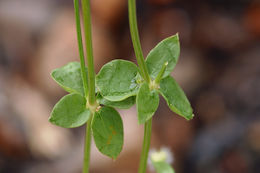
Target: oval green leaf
point(175, 98)
point(69, 78)
point(116, 80)
point(167, 50)
point(162, 167)
point(107, 128)
point(124, 104)
point(70, 111)
point(147, 102)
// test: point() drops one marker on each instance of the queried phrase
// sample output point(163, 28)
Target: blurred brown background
point(219, 69)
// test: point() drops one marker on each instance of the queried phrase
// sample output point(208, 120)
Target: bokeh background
point(219, 69)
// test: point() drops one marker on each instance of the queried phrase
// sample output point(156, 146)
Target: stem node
point(145, 76)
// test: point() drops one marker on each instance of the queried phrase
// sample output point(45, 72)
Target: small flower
point(162, 155)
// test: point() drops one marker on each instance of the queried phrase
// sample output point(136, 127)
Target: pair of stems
point(89, 79)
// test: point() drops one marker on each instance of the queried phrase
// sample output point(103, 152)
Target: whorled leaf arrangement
point(119, 84)
point(72, 111)
point(120, 79)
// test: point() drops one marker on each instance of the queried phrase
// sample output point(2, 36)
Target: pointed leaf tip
point(176, 98)
point(167, 50)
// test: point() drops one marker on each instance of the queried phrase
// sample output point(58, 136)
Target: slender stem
point(136, 40)
point(87, 146)
point(146, 146)
point(90, 79)
point(89, 51)
point(80, 46)
point(145, 75)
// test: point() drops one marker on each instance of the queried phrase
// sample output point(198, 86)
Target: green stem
point(80, 45)
point(89, 51)
point(88, 81)
point(145, 75)
point(87, 146)
point(136, 40)
point(146, 146)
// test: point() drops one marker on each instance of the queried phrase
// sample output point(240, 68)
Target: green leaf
point(147, 102)
point(107, 127)
point(116, 80)
point(162, 167)
point(175, 98)
point(69, 78)
point(70, 111)
point(167, 50)
point(124, 104)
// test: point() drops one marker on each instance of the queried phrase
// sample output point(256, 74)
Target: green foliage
point(167, 50)
point(70, 111)
point(124, 104)
point(162, 167)
point(69, 78)
point(160, 62)
point(107, 127)
point(118, 85)
point(119, 79)
point(175, 97)
point(116, 80)
point(147, 102)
